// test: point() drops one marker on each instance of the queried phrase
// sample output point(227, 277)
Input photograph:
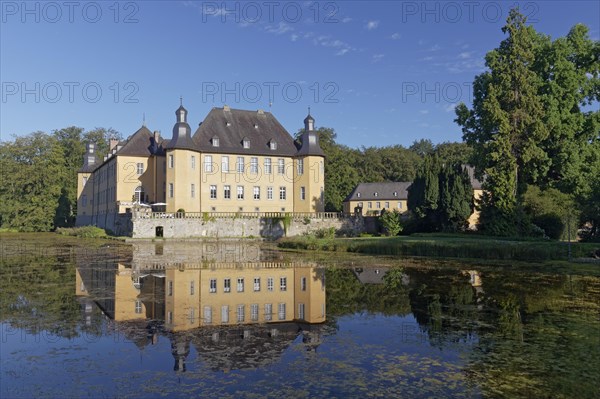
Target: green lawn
point(447, 246)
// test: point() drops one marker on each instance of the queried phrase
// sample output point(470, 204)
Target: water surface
point(82, 319)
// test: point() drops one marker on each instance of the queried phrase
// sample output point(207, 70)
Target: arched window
point(138, 195)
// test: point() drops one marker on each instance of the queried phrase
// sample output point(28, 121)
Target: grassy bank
point(446, 246)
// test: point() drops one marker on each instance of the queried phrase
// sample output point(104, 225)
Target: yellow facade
point(225, 294)
point(474, 218)
point(371, 206)
point(309, 184)
point(136, 175)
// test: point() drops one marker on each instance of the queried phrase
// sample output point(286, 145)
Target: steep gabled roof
point(232, 125)
point(141, 144)
point(385, 191)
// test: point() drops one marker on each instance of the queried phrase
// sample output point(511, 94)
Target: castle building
point(236, 161)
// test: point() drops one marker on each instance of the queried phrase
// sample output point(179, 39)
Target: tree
point(456, 198)
point(422, 147)
point(423, 193)
point(441, 197)
point(452, 153)
point(33, 173)
point(391, 222)
point(526, 125)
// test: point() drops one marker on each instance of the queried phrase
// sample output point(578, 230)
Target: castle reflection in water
point(240, 305)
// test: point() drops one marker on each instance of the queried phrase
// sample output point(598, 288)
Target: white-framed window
point(256, 283)
point(241, 313)
point(208, 165)
point(303, 193)
point(192, 287)
point(240, 284)
point(227, 192)
point(303, 283)
point(268, 168)
point(192, 317)
point(273, 145)
point(256, 192)
point(193, 190)
point(358, 195)
point(246, 143)
point(369, 205)
point(213, 191)
point(215, 141)
point(171, 190)
point(377, 205)
point(225, 314)
point(227, 285)
point(283, 283)
point(170, 317)
point(240, 164)
point(399, 205)
point(376, 194)
point(254, 165)
point(281, 166)
point(138, 306)
point(240, 192)
point(387, 205)
point(300, 167)
point(270, 284)
point(395, 193)
point(254, 312)
point(301, 311)
point(268, 311)
point(193, 162)
point(281, 311)
point(138, 194)
point(225, 164)
point(207, 315)
point(140, 168)
point(171, 161)
point(213, 285)
point(269, 193)
point(282, 193)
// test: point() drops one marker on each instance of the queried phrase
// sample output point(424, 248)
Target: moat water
point(83, 319)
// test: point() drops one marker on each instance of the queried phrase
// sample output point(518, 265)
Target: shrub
point(552, 224)
point(328, 233)
point(83, 232)
point(391, 222)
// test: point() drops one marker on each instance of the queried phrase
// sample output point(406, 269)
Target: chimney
point(112, 143)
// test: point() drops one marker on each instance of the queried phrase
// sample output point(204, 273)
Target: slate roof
point(231, 126)
point(89, 168)
point(474, 181)
point(384, 190)
point(141, 144)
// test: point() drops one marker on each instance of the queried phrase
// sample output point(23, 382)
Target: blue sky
point(378, 72)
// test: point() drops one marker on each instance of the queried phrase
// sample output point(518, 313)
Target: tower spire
point(181, 101)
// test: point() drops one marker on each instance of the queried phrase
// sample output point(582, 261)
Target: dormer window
point(246, 143)
point(358, 195)
point(255, 126)
point(227, 123)
point(395, 193)
point(375, 194)
point(273, 145)
point(215, 141)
